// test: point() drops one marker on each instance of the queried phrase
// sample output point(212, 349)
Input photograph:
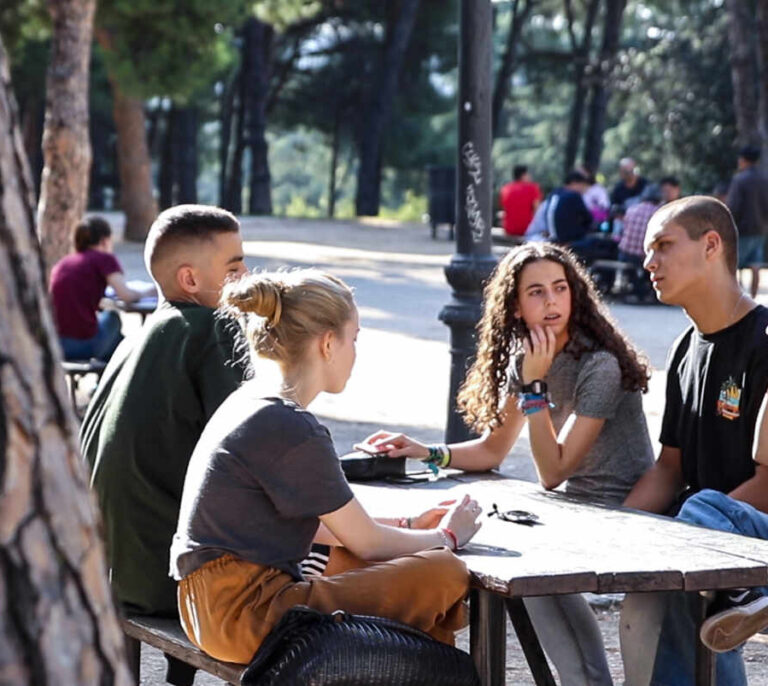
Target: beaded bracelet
point(530, 403)
point(439, 455)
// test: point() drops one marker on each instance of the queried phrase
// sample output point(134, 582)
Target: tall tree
point(57, 621)
point(66, 144)
point(151, 49)
point(503, 83)
point(600, 92)
point(399, 29)
point(244, 114)
point(741, 32)
point(581, 61)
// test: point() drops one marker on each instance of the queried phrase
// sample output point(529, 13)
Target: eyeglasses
point(515, 516)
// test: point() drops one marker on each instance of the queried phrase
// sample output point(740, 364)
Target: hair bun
point(260, 294)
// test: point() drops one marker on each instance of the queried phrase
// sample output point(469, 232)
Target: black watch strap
point(536, 386)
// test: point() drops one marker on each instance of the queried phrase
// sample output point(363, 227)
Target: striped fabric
point(317, 560)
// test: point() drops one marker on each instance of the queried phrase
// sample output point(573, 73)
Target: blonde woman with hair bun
point(265, 483)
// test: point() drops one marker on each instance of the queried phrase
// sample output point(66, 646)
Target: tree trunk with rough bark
point(66, 144)
point(581, 59)
point(503, 86)
point(600, 95)
point(57, 621)
point(134, 168)
point(178, 159)
point(741, 33)
point(367, 197)
point(257, 66)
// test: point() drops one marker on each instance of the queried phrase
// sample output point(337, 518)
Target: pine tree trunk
point(226, 107)
point(581, 59)
point(233, 198)
point(258, 50)
point(334, 165)
point(185, 153)
point(600, 95)
point(57, 621)
point(167, 171)
point(741, 23)
point(367, 198)
point(66, 144)
point(137, 198)
point(502, 88)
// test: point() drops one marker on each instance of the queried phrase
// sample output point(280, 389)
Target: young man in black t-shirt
point(716, 381)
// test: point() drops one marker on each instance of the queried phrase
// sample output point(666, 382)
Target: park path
point(400, 381)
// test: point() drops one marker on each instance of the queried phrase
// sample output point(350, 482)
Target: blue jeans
point(101, 346)
point(676, 653)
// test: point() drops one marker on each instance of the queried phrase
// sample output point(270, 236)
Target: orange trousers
point(228, 606)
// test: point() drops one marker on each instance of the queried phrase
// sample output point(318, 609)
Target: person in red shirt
point(77, 285)
point(519, 201)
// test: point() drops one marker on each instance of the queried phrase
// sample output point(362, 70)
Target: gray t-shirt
point(262, 473)
point(622, 452)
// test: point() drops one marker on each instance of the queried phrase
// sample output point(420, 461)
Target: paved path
point(400, 381)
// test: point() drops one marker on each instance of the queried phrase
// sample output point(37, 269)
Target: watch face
point(536, 386)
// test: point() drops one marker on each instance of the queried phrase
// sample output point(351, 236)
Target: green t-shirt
point(138, 435)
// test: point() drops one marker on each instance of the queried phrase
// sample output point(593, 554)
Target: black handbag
point(311, 648)
point(360, 466)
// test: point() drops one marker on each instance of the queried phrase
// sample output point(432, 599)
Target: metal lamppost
point(473, 261)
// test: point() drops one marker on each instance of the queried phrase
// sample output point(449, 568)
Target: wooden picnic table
point(575, 547)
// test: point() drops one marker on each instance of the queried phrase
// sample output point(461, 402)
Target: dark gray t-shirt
point(260, 476)
point(622, 452)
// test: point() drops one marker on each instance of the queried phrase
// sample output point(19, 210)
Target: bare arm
point(126, 294)
point(355, 529)
point(476, 455)
point(657, 489)
point(556, 459)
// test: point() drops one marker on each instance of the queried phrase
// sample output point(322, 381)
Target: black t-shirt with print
point(715, 386)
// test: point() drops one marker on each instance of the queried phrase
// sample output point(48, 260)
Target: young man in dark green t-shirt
point(155, 397)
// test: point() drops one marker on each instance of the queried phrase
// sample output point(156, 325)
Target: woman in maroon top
point(77, 285)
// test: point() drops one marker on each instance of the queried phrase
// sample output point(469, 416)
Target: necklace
point(732, 318)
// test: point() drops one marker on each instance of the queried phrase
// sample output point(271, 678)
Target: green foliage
point(672, 100)
point(283, 13)
point(168, 47)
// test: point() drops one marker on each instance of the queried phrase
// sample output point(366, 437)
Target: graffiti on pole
point(474, 168)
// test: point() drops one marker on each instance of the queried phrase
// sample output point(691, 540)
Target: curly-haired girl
point(550, 355)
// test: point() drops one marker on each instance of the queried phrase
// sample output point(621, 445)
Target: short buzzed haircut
point(184, 224)
point(519, 172)
point(698, 214)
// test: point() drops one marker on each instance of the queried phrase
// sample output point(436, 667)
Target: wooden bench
point(166, 635)
point(75, 370)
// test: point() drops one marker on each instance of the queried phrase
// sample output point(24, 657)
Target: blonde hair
point(282, 311)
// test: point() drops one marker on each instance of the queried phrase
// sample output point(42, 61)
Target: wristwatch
point(536, 386)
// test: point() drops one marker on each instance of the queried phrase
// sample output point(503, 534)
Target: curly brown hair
point(500, 333)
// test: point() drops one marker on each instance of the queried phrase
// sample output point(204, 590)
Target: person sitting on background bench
point(77, 286)
point(717, 378)
point(155, 397)
point(264, 482)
